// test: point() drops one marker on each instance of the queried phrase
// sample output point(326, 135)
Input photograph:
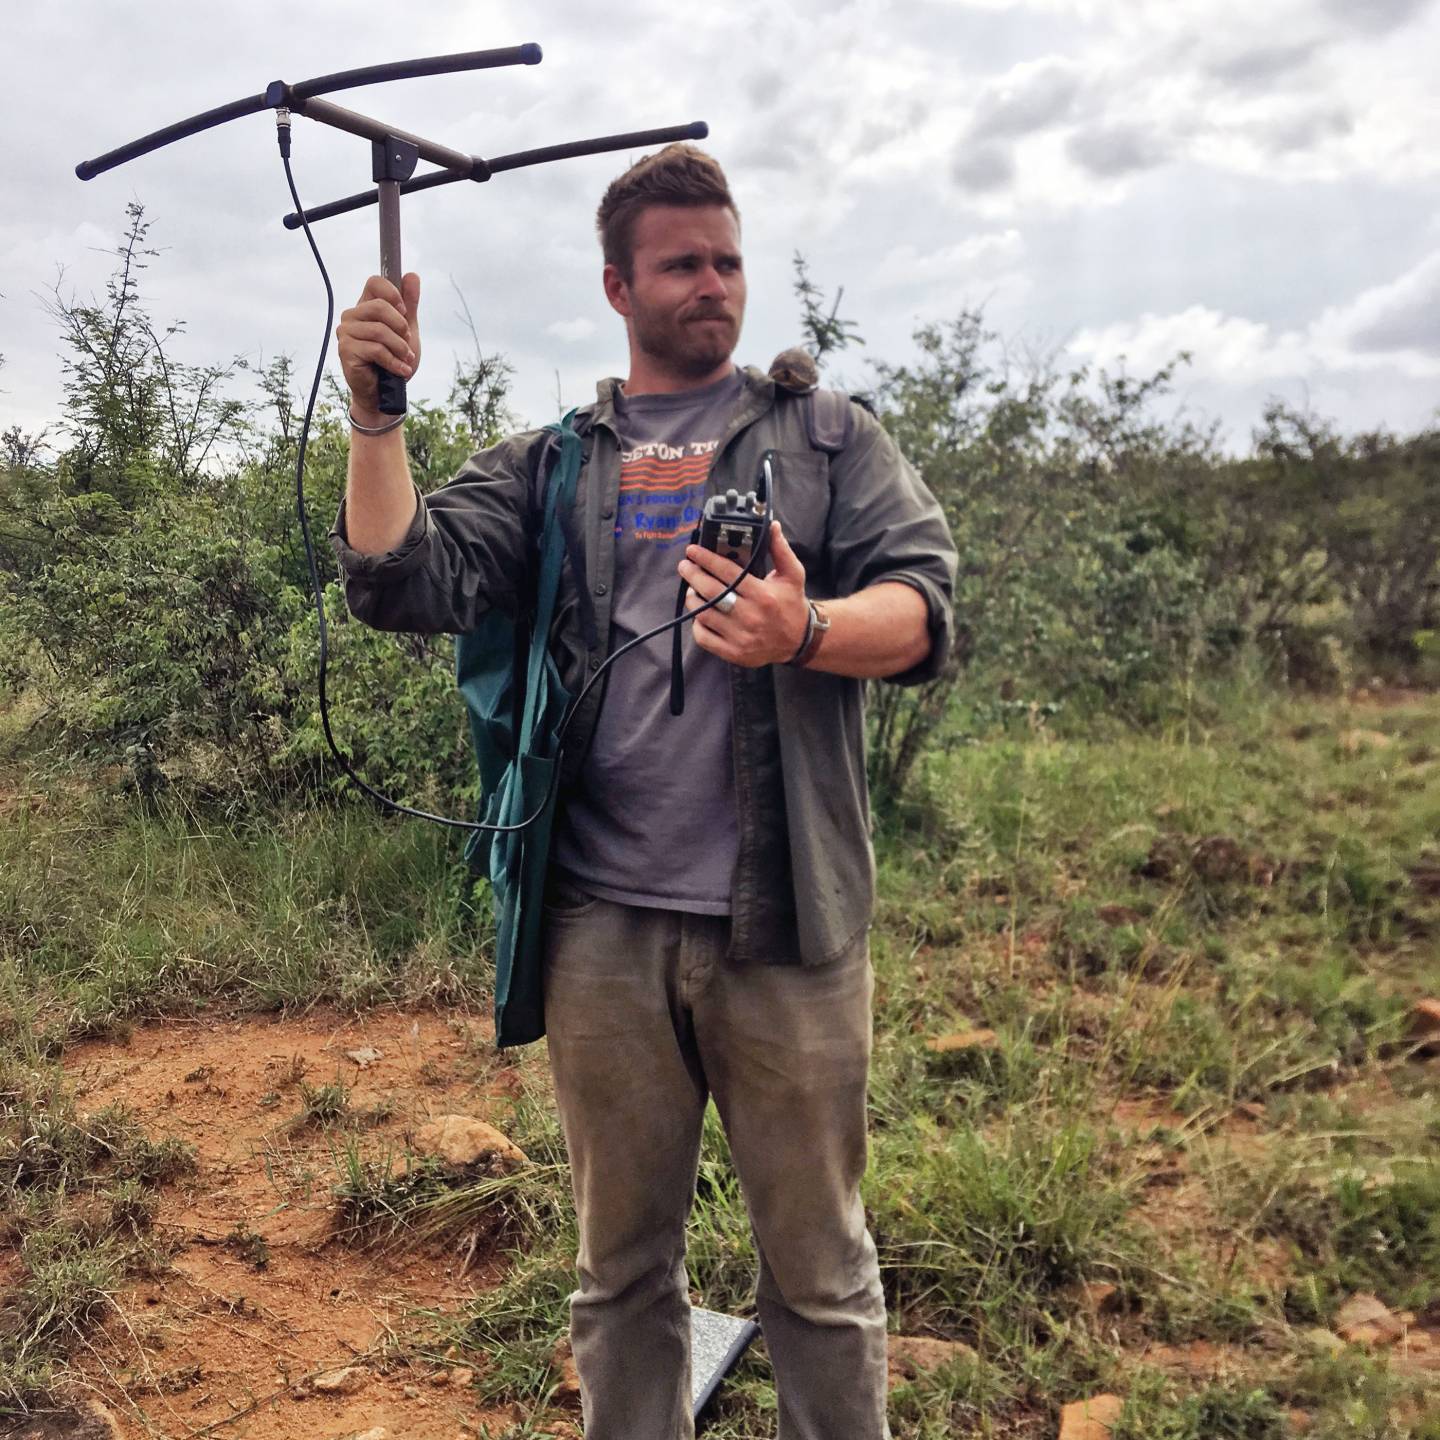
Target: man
point(712, 877)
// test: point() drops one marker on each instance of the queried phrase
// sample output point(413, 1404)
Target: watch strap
point(815, 631)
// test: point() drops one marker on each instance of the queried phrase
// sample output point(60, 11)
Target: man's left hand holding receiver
point(882, 630)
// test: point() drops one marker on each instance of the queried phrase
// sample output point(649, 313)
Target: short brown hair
point(677, 175)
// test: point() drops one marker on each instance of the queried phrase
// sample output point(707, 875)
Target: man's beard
point(687, 347)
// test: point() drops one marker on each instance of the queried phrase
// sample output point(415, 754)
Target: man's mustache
point(709, 312)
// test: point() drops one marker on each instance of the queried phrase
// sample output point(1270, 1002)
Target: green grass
point(1218, 923)
point(110, 912)
point(1354, 1225)
point(77, 1198)
point(323, 1104)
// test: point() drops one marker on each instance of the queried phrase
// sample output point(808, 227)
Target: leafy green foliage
point(157, 594)
point(824, 331)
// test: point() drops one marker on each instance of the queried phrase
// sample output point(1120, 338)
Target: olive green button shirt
point(804, 884)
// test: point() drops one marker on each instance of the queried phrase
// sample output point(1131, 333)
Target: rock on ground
point(461, 1140)
point(909, 1356)
point(1425, 1025)
point(345, 1381)
point(1366, 1320)
point(567, 1386)
point(1098, 1297)
point(963, 1040)
point(1355, 742)
point(1091, 1419)
point(88, 1421)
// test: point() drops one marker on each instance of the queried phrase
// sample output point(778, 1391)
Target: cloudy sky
point(1249, 180)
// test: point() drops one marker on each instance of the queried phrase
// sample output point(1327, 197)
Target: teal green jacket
point(804, 884)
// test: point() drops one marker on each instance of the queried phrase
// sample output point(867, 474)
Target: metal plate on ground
point(716, 1343)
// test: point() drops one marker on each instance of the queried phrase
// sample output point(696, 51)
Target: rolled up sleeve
point(466, 550)
point(404, 559)
point(885, 525)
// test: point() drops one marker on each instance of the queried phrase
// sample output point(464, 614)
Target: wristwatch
point(816, 629)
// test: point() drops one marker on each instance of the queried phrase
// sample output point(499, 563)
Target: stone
point(1366, 1320)
point(90, 1421)
point(101, 1418)
point(1119, 915)
point(345, 1381)
point(566, 1390)
point(1091, 1419)
point(910, 1356)
point(461, 1141)
point(365, 1056)
point(460, 1377)
point(1096, 1297)
point(1322, 1339)
point(379, 1432)
point(1356, 742)
point(963, 1040)
point(1424, 1027)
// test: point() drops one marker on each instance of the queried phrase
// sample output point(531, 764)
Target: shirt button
point(608, 513)
point(601, 588)
point(595, 662)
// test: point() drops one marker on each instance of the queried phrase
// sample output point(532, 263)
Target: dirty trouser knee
point(645, 1013)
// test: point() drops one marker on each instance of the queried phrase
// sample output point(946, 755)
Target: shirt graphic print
point(662, 491)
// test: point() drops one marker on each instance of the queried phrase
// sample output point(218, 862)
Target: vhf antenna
point(394, 152)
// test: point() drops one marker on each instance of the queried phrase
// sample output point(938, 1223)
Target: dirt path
point(262, 1297)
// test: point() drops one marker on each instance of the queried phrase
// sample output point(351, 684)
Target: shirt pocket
point(802, 502)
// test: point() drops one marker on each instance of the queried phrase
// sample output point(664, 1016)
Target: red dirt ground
point(220, 1347)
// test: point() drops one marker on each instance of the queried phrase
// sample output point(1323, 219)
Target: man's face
point(685, 299)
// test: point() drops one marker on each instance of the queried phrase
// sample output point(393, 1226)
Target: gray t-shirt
point(653, 820)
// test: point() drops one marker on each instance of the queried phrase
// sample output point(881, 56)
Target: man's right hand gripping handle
point(382, 328)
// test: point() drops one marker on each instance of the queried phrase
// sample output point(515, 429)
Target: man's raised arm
point(383, 328)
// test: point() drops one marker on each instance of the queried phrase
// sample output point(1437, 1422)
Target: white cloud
point(1031, 96)
point(1221, 345)
point(1248, 63)
point(980, 256)
point(1400, 319)
point(1109, 151)
point(982, 166)
point(581, 328)
point(1395, 326)
point(1292, 90)
point(1101, 159)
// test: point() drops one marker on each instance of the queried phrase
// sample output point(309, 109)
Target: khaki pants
point(647, 1016)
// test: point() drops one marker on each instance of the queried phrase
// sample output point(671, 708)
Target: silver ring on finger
point(726, 603)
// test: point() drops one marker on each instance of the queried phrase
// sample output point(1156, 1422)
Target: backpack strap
point(564, 516)
point(559, 496)
point(829, 420)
